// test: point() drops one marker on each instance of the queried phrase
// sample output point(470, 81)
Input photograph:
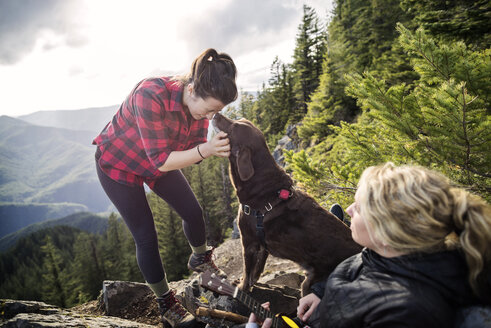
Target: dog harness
point(283, 195)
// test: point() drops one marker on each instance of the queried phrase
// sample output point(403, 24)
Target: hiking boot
point(173, 313)
point(337, 210)
point(204, 262)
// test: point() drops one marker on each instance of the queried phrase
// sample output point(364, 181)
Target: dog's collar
point(282, 195)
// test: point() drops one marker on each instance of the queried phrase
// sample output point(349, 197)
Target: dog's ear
point(244, 164)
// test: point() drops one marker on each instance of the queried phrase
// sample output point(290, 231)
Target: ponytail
point(414, 209)
point(472, 219)
point(213, 75)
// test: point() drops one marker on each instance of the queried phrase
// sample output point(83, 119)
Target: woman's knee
point(146, 239)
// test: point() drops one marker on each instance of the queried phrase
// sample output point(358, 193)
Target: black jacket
point(418, 290)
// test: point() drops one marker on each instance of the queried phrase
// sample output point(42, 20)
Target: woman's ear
point(244, 164)
point(190, 89)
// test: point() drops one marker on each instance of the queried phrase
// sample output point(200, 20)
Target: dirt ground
point(227, 256)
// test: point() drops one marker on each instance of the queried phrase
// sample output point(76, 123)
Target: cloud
point(22, 22)
point(239, 27)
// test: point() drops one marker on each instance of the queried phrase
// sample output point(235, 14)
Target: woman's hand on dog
point(219, 146)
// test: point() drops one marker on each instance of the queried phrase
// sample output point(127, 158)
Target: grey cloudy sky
point(71, 54)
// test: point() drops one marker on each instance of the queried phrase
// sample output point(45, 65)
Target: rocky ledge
point(129, 304)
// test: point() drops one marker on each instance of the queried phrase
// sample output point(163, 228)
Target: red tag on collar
point(284, 194)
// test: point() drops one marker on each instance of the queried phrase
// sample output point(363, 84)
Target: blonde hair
point(413, 209)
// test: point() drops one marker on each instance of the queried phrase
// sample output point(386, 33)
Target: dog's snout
point(221, 122)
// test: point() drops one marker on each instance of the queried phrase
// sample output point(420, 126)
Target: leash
point(283, 195)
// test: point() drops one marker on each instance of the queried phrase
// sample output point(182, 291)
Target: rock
point(32, 314)
point(292, 280)
point(287, 142)
point(10, 308)
point(118, 294)
point(235, 232)
point(134, 301)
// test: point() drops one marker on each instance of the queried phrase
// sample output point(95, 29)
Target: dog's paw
point(244, 285)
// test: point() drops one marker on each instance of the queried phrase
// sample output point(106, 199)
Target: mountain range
point(48, 172)
point(88, 119)
point(85, 221)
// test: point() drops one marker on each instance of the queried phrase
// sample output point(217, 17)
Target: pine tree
point(443, 122)
point(307, 60)
point(114, 261)
point(454, 20)
point(53, 280)
point(87, 269)
point(361, 38)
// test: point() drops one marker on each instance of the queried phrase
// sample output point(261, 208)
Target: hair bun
point(211, 55)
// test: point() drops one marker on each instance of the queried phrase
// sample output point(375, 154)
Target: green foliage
point(65, 266)
point(284, 100)
point(361, 38)
point(443, 121)
point(307, 60)
point(452, 20)
point(211, 184)
point(53, 274)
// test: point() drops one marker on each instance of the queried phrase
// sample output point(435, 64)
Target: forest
point(405, 81)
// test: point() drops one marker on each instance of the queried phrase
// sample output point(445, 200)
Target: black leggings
point(132, 205)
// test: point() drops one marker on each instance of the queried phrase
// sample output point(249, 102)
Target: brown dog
point(294, 225)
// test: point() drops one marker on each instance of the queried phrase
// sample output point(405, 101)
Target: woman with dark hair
point(160, 128)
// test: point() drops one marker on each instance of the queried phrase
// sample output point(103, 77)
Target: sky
point(74, 54)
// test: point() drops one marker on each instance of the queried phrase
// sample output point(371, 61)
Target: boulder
point(30, 314)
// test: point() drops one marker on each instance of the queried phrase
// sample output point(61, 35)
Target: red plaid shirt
point(149, 125)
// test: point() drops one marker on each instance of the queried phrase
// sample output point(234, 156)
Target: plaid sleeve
point(152, 124)
point(200, 133)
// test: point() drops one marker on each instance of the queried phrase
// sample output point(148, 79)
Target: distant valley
point(47, 166)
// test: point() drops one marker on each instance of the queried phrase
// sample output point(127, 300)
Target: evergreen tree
point(454, 20)
point(361, 38)
point(276, 103)
point(114, 261)
point(244, 110)
point(53, 280)
point(86, 271)
point(443, 122)
point(307, 61)
point(208, 181)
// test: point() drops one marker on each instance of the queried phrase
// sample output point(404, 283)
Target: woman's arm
point(217, 146)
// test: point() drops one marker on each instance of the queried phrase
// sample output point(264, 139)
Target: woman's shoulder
point(153, 83)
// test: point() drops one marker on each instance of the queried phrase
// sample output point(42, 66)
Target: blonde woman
point(428, 251)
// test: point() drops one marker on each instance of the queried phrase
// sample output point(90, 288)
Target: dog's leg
point(250, 250)
point(262, 256)
point(305, 287)
point(250, 247)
